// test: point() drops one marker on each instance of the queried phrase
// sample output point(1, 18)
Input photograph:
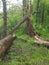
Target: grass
point(42, 30)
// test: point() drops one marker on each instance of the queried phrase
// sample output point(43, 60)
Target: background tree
point(37, 8)
point(4, 18)
point(31, 7)
point(43, 4)
point(24, 7)
point(42, 14)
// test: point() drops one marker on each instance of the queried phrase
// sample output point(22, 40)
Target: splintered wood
point(40, 40)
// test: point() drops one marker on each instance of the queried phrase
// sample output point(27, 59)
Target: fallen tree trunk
point(6, 43)
point(19, 23)
point(39, 40)
point(30, 31)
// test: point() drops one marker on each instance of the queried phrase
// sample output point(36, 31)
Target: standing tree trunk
point(31, 8)
point(4, 18)
point(30, 29)
point(42, 14)
point(25, 11)
point(37, 10)
point(24, 7)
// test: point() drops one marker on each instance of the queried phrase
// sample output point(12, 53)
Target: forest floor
point(26, 52)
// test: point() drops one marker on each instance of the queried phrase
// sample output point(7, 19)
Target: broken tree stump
point(29, 29)
point(6, 43)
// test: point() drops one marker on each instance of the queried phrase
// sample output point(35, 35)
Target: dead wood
point(19, 23)
point(29, 28)
point(6, 43)
point(40, 40)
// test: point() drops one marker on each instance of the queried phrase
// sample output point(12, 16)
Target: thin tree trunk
point(24, 7)
point(37, 10)
point(43, 14)
point(4, 18)
point(31, 8)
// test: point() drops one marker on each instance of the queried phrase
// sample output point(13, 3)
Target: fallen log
point(6, 43)
point(40, 40)
point(19, 23)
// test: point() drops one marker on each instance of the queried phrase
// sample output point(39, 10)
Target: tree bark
point(37, 10)
point(42, 14)
point(31, 8)
point(24, 7)
point(30, 29)
point(40, 40)
point(6, 43)
point(4, 18)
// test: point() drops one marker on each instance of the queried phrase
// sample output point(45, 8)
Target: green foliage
point(44, 3)
point(41, 27)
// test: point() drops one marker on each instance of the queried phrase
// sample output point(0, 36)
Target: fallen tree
point(30, 30)
point(40, 40)
point(19, 23)
point(32, 33)
point(6, 43)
